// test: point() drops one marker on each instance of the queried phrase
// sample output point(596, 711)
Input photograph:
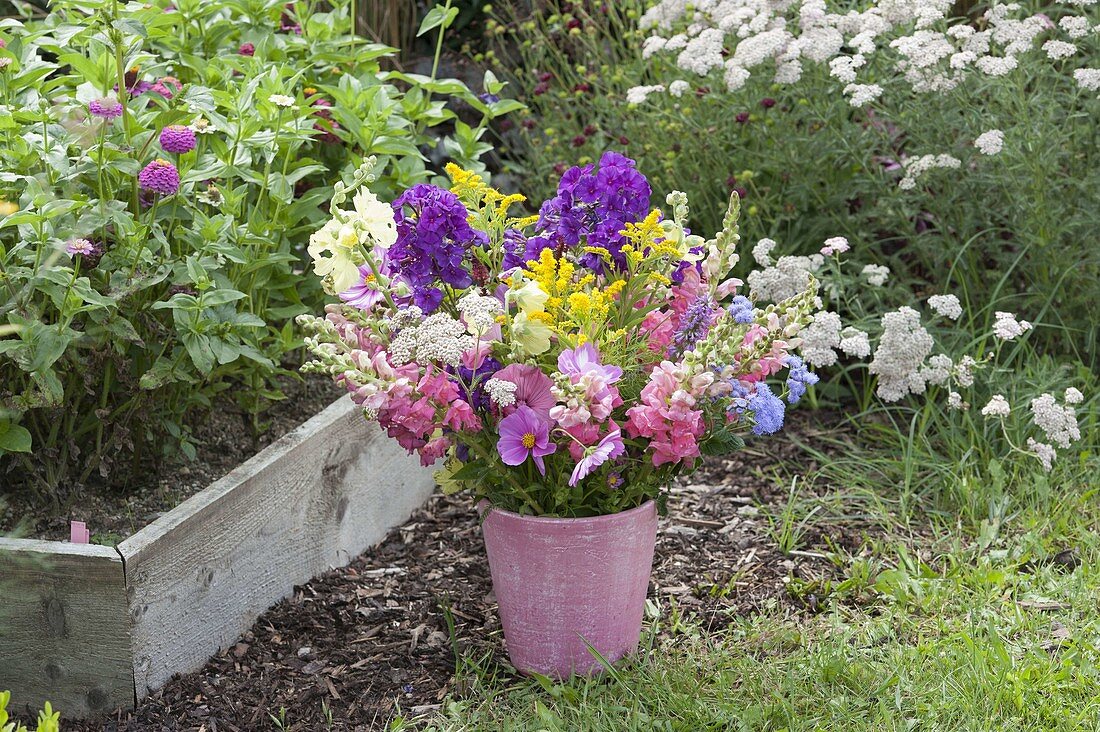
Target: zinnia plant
point(566, 364)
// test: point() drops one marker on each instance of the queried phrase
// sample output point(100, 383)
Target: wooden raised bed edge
point(91, 628)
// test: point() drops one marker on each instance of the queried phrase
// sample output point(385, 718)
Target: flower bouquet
point(562, 367)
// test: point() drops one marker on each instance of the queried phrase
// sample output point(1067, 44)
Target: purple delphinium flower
point(595, 203)
point(105, 108)
point(523, 434)
point(177, 139)
point(799, 378)
point(694, 325)
point(767, 410)
point(433, 236)
point(741, 310)
point(160, 176)
point(609, 448)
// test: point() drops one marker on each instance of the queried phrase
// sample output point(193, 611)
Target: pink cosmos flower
point(532, 388)
point(362, 295)
point(585, 359)
point(609, 448)
point(523, 434)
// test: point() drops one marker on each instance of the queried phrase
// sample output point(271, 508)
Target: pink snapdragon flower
point(524, 433)
point(590, 394)
point(609, 448)
point(666, 413)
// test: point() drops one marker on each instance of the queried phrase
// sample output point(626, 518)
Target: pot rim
point(485, 508)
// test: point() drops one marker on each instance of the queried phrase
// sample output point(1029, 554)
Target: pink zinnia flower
point(177, 139)
point(525, 434)
point(532, 388)
point(105, 108)
point(82, 247)
point(164, 86)
point(160, 176)
point(247, 49)
point(609, 448)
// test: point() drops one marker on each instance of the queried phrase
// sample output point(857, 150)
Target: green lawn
point(939, 624)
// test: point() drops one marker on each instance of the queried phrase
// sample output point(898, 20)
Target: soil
point(223, 444)
point(371, 640)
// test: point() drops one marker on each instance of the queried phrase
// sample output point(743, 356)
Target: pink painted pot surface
point(561, 582)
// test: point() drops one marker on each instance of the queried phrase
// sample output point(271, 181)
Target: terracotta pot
point(561, 582)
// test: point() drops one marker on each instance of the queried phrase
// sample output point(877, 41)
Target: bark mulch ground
point(371, 640)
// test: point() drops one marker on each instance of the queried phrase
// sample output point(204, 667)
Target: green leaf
point(722, 442)
point(212, 298)
point(438, 17)
point(14, 438)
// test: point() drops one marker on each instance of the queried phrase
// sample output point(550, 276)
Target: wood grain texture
point(200, 575)
point(64, 630)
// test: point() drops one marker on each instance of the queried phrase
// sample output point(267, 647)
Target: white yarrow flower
point(762, 252)
point(1008, 328)
point(901, 350)
point(835, 245)
point(1058, 50)
point(819, 339)
point(1057, 421)
point(1046, 453)
point(860, 95)
point(1073, 396)
point(947, 306)
point(876, 274)
point(501, 392)
point(638, 94)
point(281, 100)
point(990, 143)
point(678, 87)
point(855, 343)
point(1088, 79)
point(997, 407)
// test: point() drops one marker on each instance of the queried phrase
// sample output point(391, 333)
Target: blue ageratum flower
point(799, 378)
point(433, 237)
point(767, 410)
point(741, 310)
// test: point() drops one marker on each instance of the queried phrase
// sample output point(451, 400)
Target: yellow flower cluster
point(572, 305)
point(475, 193)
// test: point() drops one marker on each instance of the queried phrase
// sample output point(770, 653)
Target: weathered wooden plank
point(198, 576)
point(64, 629)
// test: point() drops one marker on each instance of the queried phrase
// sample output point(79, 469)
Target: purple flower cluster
point(177, 139)
point(694, 326)
point(740, 309)
point(799, 378)
point(757, 398)
point(595, 204)
point(432, 238)
point(160, 176)
point(767, 410)
point(105, 108)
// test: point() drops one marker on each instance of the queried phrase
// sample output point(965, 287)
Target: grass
point(944, 620)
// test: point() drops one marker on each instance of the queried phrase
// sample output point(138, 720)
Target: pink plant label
point(78, 532)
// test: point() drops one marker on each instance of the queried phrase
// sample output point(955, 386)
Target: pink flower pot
point(561, 582)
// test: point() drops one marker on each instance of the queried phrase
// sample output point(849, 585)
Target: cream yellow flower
point(530, 334)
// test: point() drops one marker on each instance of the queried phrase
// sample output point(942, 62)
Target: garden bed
point(97, 627)
point(370, 641)
point(223, 441)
